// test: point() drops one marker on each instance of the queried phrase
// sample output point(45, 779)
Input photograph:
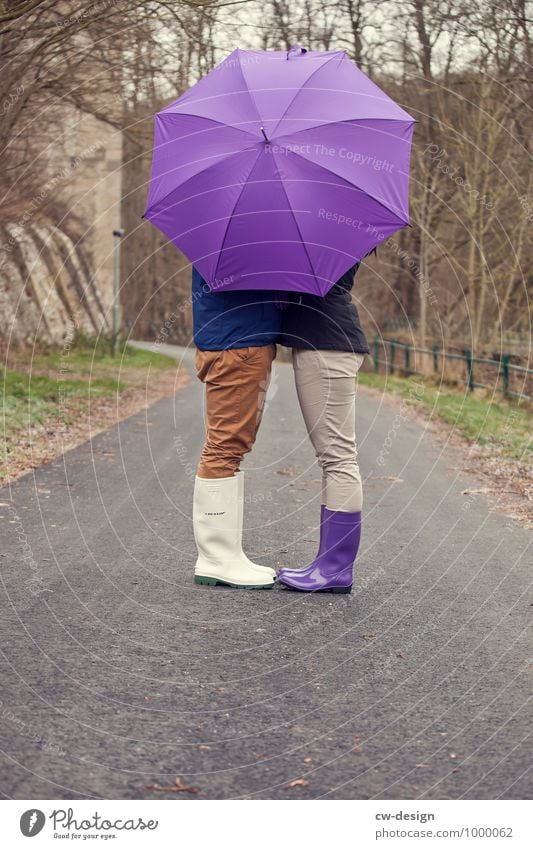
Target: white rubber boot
point(217, 521)
point(240, 478)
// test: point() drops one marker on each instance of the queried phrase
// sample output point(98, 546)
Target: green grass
point(23, 386)
point(505, 425)
point(57, 385)
point(86, 355)
point(29, 400)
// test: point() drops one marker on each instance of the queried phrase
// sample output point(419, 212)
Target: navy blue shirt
point(224, 320)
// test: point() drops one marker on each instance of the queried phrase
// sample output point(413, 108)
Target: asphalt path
point(118, 672)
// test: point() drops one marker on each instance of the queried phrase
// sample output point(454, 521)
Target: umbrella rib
point(206, 118)
point(202, 171)
point(247, 87)
point(295, 222)
point(352, 185)
point(310, 77)
point(341, 121)
point(230, 217)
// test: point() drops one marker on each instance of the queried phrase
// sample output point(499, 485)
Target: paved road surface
point(118, 672)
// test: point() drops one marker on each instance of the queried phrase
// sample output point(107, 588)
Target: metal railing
point(504, 367)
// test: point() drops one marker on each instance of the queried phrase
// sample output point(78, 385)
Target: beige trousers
point(325, 383)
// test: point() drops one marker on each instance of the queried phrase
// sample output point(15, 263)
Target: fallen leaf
point(367, 636)
point(183, 787)
point(308, 760)
point(177, 787)
point(482, 491)
point(298, 782)
point(289, 470)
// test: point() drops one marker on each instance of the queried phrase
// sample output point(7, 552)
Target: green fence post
point(376, 353)
point(407, 358)
point(435, 349)
point(470, 366)
point(505, 364)
point(392, 350)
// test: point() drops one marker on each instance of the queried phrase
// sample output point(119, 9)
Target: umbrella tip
point(296, 49)
point(264, 134)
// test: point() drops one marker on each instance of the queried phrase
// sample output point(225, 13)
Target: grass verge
point(50, 396)
point(504, 426)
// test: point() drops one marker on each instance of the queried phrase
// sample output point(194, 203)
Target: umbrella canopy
point(280, 170)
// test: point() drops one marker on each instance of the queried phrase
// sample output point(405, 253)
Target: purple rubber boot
point(287, 571)
point(332, 570)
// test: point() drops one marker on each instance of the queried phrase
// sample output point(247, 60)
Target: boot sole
point(213, 582)
point(339, 590)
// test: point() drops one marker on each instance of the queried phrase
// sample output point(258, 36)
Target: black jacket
point(330, 323)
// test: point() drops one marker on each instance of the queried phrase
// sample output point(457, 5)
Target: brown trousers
point(236, 383)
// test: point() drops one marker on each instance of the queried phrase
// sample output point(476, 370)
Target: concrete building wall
point(57, 268)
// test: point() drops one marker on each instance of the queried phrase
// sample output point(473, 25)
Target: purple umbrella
point(280, 170)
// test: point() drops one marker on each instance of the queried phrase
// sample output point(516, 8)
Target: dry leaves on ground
point(177, 787)
point(298, 782)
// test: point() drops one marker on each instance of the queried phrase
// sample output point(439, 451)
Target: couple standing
point(236, 334)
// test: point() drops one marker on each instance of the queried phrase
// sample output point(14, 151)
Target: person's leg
point(325, 384)
point(236, 383)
